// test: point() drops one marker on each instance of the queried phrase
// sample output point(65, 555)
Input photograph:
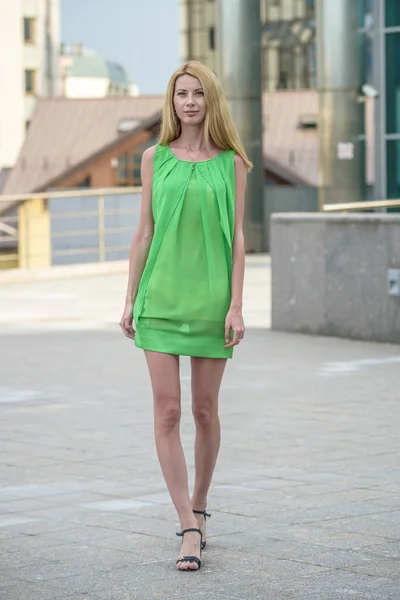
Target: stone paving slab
point(306, 497)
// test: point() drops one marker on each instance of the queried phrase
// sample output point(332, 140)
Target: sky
point(141, 35)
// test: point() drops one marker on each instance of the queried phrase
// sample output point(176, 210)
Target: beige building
point(29, 43)
point(288, 40)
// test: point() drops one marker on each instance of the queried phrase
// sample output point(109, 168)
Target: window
point(85, 183)
point(308, 121)
point(128, 165)
point(393, 168)
point(392, 83)
point(29, 30)
point(30, 81)
point(310, 7)
point(211, 38)
point(392, 13)
point(128, 171)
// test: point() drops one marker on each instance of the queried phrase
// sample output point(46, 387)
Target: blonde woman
point(186, 280)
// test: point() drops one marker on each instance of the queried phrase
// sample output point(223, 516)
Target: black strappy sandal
point(190, 558)
point(205, 515)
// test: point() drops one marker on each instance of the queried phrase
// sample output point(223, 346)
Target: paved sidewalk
point(306, 497)
point(92, 300)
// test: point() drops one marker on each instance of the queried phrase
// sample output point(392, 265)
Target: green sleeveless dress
point(185, 289)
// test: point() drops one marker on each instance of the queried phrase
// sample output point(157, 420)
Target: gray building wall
point(280, 199)
point(329, 275)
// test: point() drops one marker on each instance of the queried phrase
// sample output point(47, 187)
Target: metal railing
point(361, 206)
point(8, 237)
point(58, 227)
point(87, 225)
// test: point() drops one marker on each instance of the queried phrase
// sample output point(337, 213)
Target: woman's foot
point(191, 547)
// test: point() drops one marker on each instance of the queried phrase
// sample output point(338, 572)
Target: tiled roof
point(293, 149)
point(64, 132)
point(4, 173)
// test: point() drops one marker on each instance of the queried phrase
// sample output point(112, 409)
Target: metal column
point(239, 70)
point(341, 155)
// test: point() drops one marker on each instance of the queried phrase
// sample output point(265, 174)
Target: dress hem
point(156, 345)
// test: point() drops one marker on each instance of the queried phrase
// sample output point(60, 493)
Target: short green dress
point(185, 289)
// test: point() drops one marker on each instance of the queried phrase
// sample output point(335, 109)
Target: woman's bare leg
point(164, 375)
point(207, 375)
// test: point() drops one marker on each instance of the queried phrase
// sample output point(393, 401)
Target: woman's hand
point(234, 322)
point(126, 322)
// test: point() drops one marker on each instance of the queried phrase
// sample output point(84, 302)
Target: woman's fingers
point(231, 342)
point(227, 333)
point(238, 335)
point(127, 328)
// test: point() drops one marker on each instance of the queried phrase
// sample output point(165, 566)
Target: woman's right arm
point(141, 242)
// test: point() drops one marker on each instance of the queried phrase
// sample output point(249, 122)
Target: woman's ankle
point(199, 502)
point(189, 524)
point(187, 520)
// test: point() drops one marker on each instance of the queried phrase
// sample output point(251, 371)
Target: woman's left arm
point(234, 318)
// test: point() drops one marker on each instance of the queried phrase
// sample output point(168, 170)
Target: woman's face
point(189, 101)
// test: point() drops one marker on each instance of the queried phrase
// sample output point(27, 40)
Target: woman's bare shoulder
point(239, 162)
point(148, 154)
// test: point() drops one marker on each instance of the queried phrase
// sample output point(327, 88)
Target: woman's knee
point(205, 411)
point(167, 411)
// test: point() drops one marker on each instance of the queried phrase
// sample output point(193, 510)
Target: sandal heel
point(205, 515)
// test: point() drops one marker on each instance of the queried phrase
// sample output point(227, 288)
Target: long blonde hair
point(218, 124)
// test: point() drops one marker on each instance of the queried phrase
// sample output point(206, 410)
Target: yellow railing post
point(34, 246)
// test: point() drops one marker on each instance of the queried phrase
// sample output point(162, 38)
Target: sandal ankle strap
point(182, 533)
point(202, 512)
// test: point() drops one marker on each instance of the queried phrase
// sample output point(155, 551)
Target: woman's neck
point(192, 138)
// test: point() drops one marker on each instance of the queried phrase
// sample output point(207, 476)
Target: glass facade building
point(386, 79)
point(391, 34)
point(289, 61)
point(287, 42)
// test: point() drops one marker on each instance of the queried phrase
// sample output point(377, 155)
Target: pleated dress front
point(185, 289)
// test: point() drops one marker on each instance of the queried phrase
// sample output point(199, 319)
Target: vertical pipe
point(27, 233)
point(239, 70)
point(340, 125)
point(48, 50)
point(189, 26)
point(183, 31)
point(102, 246)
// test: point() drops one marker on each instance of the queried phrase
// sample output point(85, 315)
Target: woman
point(186, 280)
